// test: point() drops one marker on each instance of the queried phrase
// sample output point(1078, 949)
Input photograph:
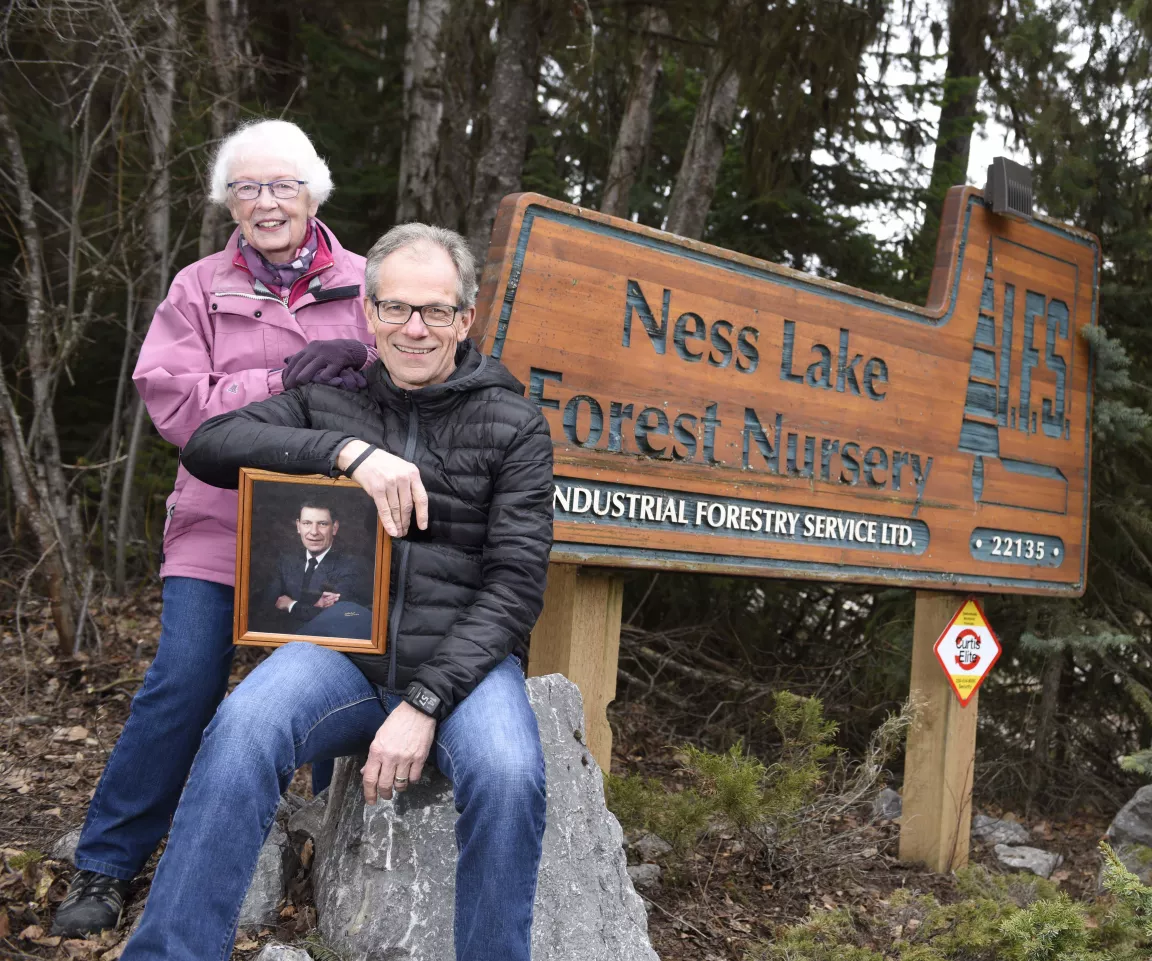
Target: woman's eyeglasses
point(280, 189)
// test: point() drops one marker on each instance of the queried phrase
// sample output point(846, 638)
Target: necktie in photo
point(309, 570)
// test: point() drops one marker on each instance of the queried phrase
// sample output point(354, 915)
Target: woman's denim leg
point(141, 783)
point(303, 702)
point(322, 774)
point(489, 747)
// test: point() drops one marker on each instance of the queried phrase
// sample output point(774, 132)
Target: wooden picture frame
point(270, 501)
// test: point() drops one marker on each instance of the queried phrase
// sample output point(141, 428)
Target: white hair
point(278, 138)
point(416, 235)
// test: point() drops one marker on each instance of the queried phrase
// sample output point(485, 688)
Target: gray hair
point(279, 138)
point(407, 236)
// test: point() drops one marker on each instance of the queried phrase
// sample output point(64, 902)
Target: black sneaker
point(94, 903)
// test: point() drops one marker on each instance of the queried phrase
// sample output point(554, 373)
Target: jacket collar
point(322, 260)
point(233, 278)
point(474, 371)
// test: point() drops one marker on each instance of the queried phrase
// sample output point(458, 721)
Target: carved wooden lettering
point(713, 412)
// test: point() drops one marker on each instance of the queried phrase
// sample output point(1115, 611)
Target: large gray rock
point(1130, 834)
point(651, 848)
point(1137, 858)
point(1021, 858)
point(1133, 825)
point(645, 876)
point(887, 806)
point(274, 870)
point(282, 952)
point(304, 824)
point(262, 902)
point(385, 876)
point(995, 831)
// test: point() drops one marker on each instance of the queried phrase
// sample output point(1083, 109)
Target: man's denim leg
point(303, 702)
point(489, 747)
point(141, 784)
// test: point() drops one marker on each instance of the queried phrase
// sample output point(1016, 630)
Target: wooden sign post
point(715, 413)
point(941, 751)
point(578, 635)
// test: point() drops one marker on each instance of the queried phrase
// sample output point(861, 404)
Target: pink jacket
point(216, 345)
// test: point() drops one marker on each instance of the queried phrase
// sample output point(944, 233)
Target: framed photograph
point(311, 563)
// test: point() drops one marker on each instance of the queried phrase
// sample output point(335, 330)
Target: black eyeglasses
point(280, 189)
point(397, 312)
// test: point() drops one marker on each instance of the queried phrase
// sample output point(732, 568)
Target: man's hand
point(398, 750)
point(327, 599)
point(393, 483)
point(284, 602)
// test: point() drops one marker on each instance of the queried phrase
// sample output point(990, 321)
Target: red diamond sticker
point(967, 650)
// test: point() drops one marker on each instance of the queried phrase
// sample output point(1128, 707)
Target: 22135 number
point(1022, 547)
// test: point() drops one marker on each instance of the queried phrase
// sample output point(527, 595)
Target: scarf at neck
point(281, 276)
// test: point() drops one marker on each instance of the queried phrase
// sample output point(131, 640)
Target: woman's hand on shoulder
point(393, 483)
point(336, 363)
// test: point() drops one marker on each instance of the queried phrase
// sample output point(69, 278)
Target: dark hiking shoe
point(94, 903)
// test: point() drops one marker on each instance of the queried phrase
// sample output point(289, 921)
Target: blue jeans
point(140, 787)
point(305, 703)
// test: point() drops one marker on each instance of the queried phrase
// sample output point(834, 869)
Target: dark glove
point(322, 362)
point(348, 379)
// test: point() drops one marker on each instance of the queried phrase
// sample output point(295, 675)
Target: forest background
point(821, 134)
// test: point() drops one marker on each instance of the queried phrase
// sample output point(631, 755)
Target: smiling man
point(319, 589)
point(459, 464)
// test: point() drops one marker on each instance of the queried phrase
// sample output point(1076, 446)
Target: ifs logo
point(1016, 411)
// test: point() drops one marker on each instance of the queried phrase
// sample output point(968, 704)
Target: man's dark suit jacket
point(339, 572)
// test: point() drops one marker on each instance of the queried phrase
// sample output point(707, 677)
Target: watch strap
point(364, 455)
point(422, 699)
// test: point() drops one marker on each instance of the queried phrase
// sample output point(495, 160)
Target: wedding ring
point(400, 780)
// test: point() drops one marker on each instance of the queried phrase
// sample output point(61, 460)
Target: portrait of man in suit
point(317, 589)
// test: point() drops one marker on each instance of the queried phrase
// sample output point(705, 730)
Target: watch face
point(426, 700)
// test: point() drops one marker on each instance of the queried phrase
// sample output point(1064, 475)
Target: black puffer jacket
point(465, 592)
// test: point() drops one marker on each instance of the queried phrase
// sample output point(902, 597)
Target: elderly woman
point(278, 307)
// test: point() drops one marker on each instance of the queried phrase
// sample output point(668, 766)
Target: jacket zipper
point(230, 293)
point(283, 300)
point(402, 577)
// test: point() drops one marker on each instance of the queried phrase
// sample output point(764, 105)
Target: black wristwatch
point(422, 699)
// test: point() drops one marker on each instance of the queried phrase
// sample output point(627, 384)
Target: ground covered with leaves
point(61, 718)
point(725, 891)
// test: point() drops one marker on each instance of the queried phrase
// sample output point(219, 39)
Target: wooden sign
point(716, 413)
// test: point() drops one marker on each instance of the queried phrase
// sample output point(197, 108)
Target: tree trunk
point(636, 125)
point(423, 110)
point(158, 100)
point(511, 105)
point(1045, 721)
point(211, 220)
point(33, 463)
point(224, 24)
point(465, 32)
point(124, 522)
point(970, 23)
point(123, 387)
point(34, 503)
point(696, 182)
point(969, 59)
